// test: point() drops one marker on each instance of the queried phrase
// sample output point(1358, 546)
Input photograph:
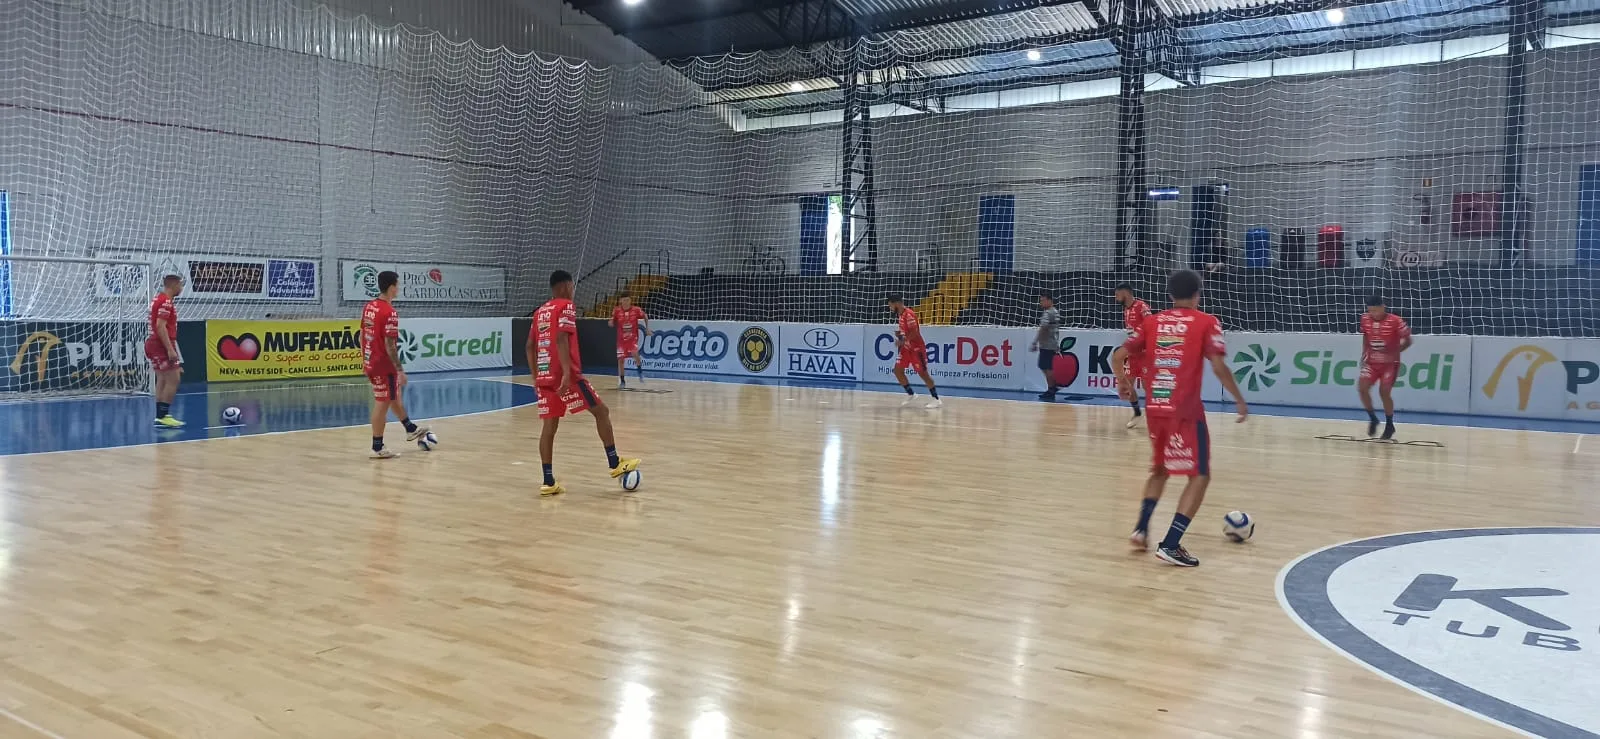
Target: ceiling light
point(1335, 15)
point(796, 87)
point(631, 2)
point(1033, 55)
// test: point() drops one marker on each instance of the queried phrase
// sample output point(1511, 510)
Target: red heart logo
point(242, 348)
point(437, 276)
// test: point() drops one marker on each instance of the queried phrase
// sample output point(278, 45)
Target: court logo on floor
point(1502, 623)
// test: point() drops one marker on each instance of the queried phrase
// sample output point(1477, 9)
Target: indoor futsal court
point(799, 369)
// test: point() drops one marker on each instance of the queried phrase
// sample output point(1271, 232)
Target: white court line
point(1577, 444)
point(40, 729)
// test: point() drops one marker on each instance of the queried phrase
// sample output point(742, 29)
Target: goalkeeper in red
point(1172, 348)
point(1383, 336)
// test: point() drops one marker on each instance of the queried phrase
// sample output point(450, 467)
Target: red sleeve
point(1405, 328)
point(391, 323)
point(1214, 346)
point(567, 322)
point(1136, 343)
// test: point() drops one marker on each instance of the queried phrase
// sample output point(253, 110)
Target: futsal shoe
point(1372, 427)
point(1388, 432)
point(168, 422)
point(936, 403)
point(1176, 556)
point(1139, 540)
point(549, 490)
point(624, 466)
point(908, 401)
point(384, 453)
point(414, 435)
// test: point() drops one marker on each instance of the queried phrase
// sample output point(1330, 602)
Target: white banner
point(960, 356)
point(436, 283)
point(1087, 354)
point(1321, 370)
point(817, 352)
point(713, 347)
point(437, 344)
point(1536, 378)
point(211, 276)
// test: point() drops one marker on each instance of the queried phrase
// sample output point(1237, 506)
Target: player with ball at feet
point(1172, 347)
point(380, 359)
point(558, 377)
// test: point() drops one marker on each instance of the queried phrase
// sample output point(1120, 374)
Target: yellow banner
point(281, 350)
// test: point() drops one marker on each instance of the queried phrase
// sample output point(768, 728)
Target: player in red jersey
point(558, 377)
point(380, 359)
point(629, 320)
point(1383, 336)
point(162, 349)
point(1172, 348)
point(1134, 311)
point(913, 351)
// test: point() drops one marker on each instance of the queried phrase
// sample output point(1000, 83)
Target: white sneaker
point(908, 401)
point(385, 453)
point(936, 403)
point(1134, 422)
point(414, 435)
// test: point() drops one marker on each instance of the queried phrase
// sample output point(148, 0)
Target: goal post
point(73, 326)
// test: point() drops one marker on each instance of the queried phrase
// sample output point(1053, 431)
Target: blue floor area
point(268, 407)
point(275, 407)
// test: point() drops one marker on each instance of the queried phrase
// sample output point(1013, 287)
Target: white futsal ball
point(631, 480)
point(427, 441)
point(1238, 526)
point(232, 415)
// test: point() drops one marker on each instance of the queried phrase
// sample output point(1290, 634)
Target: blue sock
point(639, 368)
point(909, 391)
point(549, 474)
point(935, 392)
point(411, 428)
point(611, 457)
point(377, 443)
point(1180, 524)
point(1146, 507)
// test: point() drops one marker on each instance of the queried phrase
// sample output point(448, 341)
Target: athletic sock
point(1180, 524)
point(611, 457)
point(908, 389)
point(1388, 418)
point(377, 443)
point(1372, 416)
point(935, 392)
point(411, 428)
point(1146, 507)
point(639, 368)
point(549, 474)
point(163, 410)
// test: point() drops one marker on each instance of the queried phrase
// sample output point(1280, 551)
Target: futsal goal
point(73, 326)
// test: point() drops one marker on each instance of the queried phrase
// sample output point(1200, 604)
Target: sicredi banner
point(715, 347)
point(960, 356)
point(436, 282)
point(439, 344)
point(821, 352)
point(1323, 369)
point(1536, 378)
point(278, 350)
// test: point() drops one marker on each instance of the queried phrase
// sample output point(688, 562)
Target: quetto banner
point(430, 282)
point(712, 347)
point(437, 344)
point(279, 350)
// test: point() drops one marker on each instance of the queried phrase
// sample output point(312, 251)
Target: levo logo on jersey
point(1256, 367)
point(1503, 623)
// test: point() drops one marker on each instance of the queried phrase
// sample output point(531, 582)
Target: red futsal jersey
point(1172, 348)
point(627, 322)
point(1381, 339)
point(911, 330)
point(379, 322)
point(558, 316)
point(163, 311)
point(1133, 315)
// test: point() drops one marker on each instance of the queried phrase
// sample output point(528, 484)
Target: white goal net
point(94, 348)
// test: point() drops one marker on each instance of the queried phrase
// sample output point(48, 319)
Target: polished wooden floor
point(799, 562)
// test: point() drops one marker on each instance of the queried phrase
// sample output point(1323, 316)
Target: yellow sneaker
point(549, 490)
point(168, 422)
point(624, 466)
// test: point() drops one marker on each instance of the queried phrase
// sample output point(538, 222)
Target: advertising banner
point(1322, 370)
point(1087, 353)
point(714, 347)
point(960, 356)
point(436, 283)
point(280, 350)
point(818, 352)
point(439, 344)
point(1536, 378)
point(58, 355)
point(211, 277)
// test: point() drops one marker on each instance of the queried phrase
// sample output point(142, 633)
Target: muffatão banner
point(282, 350)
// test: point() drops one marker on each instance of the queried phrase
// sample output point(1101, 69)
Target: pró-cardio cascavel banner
point(277, 350)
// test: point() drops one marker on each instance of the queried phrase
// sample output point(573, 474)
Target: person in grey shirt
point(1047, 343)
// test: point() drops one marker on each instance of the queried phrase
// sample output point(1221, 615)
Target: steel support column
point(858, 201)
point(1527, 36)
point(1134, 214)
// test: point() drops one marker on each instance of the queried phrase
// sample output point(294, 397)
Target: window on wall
point(836, 256)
